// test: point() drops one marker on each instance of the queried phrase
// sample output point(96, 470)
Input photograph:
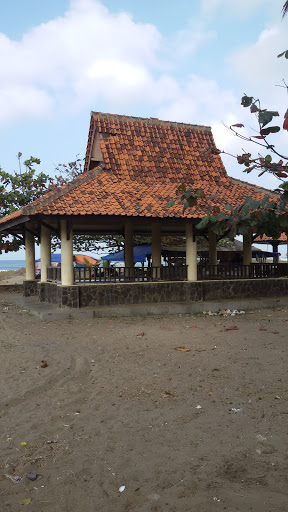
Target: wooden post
point(156, 249)
point(128, 249)
point(213, 251)
point(247, 251)
point(275, 244)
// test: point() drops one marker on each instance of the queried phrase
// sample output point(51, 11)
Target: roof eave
point(14, 222)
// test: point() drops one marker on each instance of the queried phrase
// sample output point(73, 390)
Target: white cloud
point(86, 54)
point(187, 41)
point(89, 56)
point(23, 101)
point(258, 65)
point(200, 101)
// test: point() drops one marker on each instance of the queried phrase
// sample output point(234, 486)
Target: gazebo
point(133, 166)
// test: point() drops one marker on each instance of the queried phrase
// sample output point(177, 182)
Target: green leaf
point(169, 204)
point(203, 223)
point(246, 101)
point(286, 54)
point(268, 159)
point(281, 54)
point(266, 117)
point(271, 129)
point(254, 205)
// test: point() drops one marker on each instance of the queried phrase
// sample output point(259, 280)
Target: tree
point(18, 189)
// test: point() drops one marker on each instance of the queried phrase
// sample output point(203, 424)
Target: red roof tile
point(267, 239)
point(142, 163)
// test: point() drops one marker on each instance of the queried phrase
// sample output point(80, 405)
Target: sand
point(117, 405)
point(12, 276)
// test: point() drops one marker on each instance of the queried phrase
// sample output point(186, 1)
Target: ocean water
point(11, 264)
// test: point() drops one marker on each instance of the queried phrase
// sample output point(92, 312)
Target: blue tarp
point(140, 252)
point(55, 258)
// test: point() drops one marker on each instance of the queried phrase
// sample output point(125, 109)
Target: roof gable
point(153, 149)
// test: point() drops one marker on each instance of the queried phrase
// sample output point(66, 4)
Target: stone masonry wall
point(245, 289)
point(29, 288)
point(148, 293)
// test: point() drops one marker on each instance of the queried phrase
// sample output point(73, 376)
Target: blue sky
point(182, 61)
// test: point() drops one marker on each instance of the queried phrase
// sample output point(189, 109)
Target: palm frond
point(285, 9)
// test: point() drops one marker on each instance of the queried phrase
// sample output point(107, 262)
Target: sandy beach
point(118, 407)
point(12, 276)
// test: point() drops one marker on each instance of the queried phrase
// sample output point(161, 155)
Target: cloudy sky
point(182, 61)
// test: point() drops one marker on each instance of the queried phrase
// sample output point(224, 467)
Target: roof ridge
point(51, 195)
point(252, 186)
point(150, 120)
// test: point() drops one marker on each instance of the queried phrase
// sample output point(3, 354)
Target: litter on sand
point(182, 349)
point(15, 479)
point(25, 501)
point(225, 312)
point(122, 488)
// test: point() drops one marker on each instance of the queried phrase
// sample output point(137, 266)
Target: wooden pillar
point(247, 251)
point(45, 252)
point(156, 249)
point(212, 248)
point(191, 254)
point(275, 244)
point(30, 256)
point(67, 273)
point(128, 245)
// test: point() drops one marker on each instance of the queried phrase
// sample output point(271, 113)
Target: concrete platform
point(49, 312)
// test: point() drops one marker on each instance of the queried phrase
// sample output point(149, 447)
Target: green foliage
point(262, 217)
point(285, 53)
point(18, 189)
point(186, 197)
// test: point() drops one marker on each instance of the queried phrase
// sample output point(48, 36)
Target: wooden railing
point(54, 274)
point(235, 271)
point(129, 274)
point(177, 273)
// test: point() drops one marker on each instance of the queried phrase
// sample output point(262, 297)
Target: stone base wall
point(58, 294)
point(139, 293)
point(29, 288)
point(245, 289)
point(113, 294)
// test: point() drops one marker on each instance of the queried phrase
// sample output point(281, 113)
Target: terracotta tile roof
point(140, 164)
point(267, 239)
point(12, 216)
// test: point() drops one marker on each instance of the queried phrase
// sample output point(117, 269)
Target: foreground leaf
point(182, 349)
point(25, 501)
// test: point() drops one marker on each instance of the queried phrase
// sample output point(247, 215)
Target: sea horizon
point(6, 265)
